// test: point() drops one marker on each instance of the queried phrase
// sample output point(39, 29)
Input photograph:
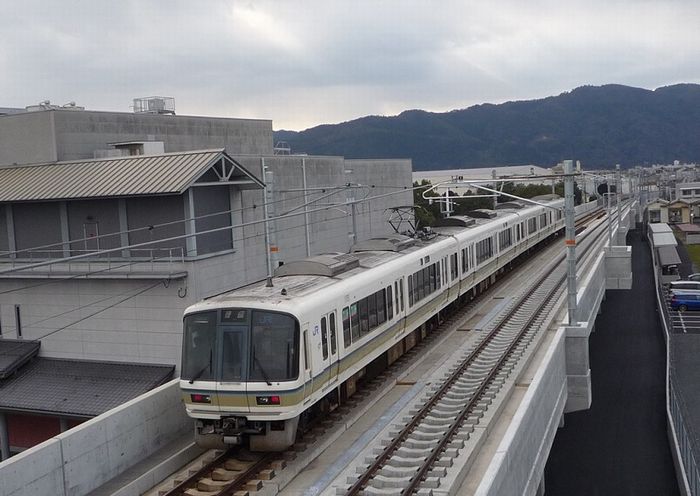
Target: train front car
point(240, 376)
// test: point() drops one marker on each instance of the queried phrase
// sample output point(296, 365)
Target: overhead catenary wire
point(149, 227)
point(139, 291)
point(190, 235)
point(87, 274)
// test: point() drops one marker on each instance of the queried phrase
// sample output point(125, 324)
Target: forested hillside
point(599, 125)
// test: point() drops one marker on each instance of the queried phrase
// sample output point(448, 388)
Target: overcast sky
point(304, 63)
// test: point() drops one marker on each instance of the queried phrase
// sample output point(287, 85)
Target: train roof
point(298, 279)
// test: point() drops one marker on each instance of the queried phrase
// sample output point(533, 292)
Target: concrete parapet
point(85, 457)
point(618, 267)
point(518, 464)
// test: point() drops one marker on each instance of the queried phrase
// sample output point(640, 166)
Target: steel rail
point(240, 480)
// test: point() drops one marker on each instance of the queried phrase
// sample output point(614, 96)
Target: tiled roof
point(15, 352)
point(166, 173)
point(78, 387)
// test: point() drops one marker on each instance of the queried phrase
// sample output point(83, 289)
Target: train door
point(308, 375)
point(333, 341)
point(234, 363)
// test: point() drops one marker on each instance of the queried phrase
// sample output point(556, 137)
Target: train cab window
point(199, 360)
point(274, 347)
point(381, 307)
point(331, 326)
point(354, 322)
point(389, 303)
point(324, 338)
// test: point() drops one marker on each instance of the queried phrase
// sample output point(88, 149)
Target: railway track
point(421, 452)
point(225, 473)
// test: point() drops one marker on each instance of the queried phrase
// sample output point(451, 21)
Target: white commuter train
point(257, 359)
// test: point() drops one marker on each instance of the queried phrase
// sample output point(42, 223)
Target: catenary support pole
point(618, 194)
point(570, 239)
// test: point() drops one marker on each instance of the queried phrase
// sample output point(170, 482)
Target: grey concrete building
point(65, 134)
point(99, 257)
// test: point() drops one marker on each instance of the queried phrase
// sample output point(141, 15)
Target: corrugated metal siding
point(138, 175)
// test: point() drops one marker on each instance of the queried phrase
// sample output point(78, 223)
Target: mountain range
point(598, 125)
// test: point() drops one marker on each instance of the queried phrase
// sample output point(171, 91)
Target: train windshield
point(275, 342)
point(237, 345)
point(199, 347)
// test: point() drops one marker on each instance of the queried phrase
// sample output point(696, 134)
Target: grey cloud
point(305, 62)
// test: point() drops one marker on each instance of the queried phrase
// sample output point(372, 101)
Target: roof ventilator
point(396, 242)
point(329, 265)
point(456, 221)
point(482, 213)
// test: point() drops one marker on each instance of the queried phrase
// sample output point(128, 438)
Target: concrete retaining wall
point(85, 457)
point(519, 462)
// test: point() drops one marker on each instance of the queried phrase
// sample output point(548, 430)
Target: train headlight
point(267, 400)
point(200, 398)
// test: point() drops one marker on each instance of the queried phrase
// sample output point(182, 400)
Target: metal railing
point(685, 447)
point(128, 260)
point(689, 478)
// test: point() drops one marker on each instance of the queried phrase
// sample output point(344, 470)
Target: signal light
point(200, 398)
point(268, 400)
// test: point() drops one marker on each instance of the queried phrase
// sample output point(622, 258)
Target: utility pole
point(271, 248)
point(306, 208)
point(618, 195)
point(570, 240)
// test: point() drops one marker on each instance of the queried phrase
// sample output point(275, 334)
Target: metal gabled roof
point(167, 173)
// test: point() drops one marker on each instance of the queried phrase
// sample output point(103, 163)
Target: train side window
point(363, 313)
point(372, 313)
point(401, 293)
point(381, 307)
point(324, 338)
point(410, 291)
point(346, 327)
point(389, 303)
point(436, 279)
point(433, 280)
point(331, 325)
point(354, 322)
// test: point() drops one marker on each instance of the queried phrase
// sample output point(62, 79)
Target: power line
point(185, 236)
point(102, 309)
point(149, 227)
